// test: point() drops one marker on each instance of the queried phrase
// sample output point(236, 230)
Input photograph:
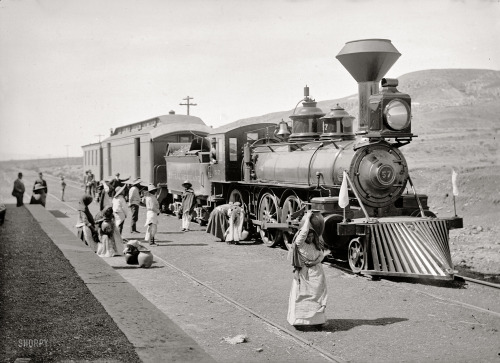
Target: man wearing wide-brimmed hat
point(134, 200)
point(188, 204)
point(120, 208)
point(152, 213)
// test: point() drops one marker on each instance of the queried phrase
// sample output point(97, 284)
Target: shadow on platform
point(336, 325)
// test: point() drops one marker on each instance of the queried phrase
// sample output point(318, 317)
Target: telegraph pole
point(187, 103)
point(99, 136)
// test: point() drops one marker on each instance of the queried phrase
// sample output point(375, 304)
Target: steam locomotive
point(276, 174)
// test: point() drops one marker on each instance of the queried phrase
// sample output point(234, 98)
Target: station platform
point(53, 285)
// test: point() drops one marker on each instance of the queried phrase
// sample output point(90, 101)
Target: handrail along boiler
point(382, 231)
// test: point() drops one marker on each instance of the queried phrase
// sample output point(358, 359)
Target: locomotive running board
point(410, 249)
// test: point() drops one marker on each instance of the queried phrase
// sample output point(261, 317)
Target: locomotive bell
point(337, 124)
point(283, 131)
point(305, 119)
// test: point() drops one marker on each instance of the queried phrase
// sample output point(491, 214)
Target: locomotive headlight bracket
point(397, 114)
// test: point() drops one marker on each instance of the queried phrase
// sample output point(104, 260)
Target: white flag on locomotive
point(344, 194)
point(454, 175)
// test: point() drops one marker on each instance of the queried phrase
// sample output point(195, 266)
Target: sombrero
point(38, 186)
point(151, 188)
point(136, 181)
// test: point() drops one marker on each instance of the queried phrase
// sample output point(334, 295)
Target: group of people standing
point(103, 231)
point(114, 209)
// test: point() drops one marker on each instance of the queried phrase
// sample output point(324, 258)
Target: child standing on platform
point(188, 204)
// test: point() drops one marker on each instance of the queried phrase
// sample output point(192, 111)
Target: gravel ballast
point(47, 313)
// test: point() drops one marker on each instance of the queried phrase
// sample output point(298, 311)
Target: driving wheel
point(291, 206)
point(268, 213)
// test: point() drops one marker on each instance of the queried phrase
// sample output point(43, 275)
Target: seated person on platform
point(39, 195)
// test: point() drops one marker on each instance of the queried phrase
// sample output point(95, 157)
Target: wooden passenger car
point(137, 150)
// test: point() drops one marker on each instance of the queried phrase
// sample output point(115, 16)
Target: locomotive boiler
point(386, 228)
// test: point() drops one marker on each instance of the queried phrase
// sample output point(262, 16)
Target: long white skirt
point(106, 248)
point(308, 296)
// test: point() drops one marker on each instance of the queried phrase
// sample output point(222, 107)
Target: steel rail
point(323, 352)
point(480, 282)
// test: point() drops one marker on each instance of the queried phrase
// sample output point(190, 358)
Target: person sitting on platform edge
point(42, 181)
point(106, 230)
point(152, 213)
point(134, 200)
point(308, 295)
point(38, 196)
point(188, 204)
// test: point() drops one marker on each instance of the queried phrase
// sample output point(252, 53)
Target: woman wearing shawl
point(106, 229)
point(152, 212)
point(308, 294)
point(120, 208)
point(188, 204)
point(85, 223)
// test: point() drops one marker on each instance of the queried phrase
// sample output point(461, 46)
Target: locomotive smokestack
point(367, 60)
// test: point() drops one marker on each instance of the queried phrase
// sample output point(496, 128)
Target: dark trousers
point(134, 208)
point(19, 198)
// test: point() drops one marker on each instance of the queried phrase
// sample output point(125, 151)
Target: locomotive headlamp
point(390, 113)
point(397, 115)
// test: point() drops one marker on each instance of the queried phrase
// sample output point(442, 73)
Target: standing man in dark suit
point(117, 182)
point(18, 190)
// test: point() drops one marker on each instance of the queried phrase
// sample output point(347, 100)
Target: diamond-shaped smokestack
point(367, 60)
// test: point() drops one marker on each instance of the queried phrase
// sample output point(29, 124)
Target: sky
point(71, 70)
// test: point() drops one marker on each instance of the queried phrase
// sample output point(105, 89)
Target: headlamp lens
point(397, 115)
